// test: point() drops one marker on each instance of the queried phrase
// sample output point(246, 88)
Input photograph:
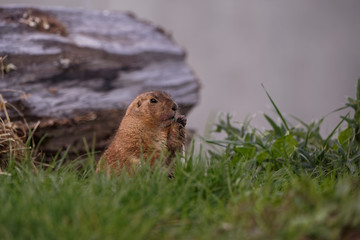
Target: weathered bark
point(77, 70)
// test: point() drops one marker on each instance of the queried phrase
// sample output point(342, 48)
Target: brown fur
point(150, 131)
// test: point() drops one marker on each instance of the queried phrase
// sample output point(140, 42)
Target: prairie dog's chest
point(160, 140)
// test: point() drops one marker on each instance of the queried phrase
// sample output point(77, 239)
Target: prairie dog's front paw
point(181, 120)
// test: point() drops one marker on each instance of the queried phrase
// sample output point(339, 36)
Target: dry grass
point(13, 135)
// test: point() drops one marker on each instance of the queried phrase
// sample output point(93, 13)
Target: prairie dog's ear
point(139, 103)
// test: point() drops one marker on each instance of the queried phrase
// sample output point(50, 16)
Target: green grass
point(283, 183)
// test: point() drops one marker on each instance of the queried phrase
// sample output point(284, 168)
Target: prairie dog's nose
point(174, 107)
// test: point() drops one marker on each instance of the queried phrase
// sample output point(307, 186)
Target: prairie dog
point(151, 130)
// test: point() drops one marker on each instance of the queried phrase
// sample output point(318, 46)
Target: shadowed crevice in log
point(99, 125)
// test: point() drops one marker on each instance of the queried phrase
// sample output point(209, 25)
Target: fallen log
point(76, 70)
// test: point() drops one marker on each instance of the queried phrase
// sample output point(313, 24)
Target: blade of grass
point(276, 128)
point(276, 108)
point(300, 121)
point(2, 66)
point(333, 131)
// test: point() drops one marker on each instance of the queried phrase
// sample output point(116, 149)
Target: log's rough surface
point(77, 70)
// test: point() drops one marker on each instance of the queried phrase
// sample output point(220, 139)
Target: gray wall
point(305, 52)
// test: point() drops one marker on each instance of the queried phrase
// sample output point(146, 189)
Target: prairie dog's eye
point(153, 100)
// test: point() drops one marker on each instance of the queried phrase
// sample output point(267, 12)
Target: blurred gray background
point(305, 52)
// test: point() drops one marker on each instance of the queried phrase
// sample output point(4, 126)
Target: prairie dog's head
point(155, 107)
